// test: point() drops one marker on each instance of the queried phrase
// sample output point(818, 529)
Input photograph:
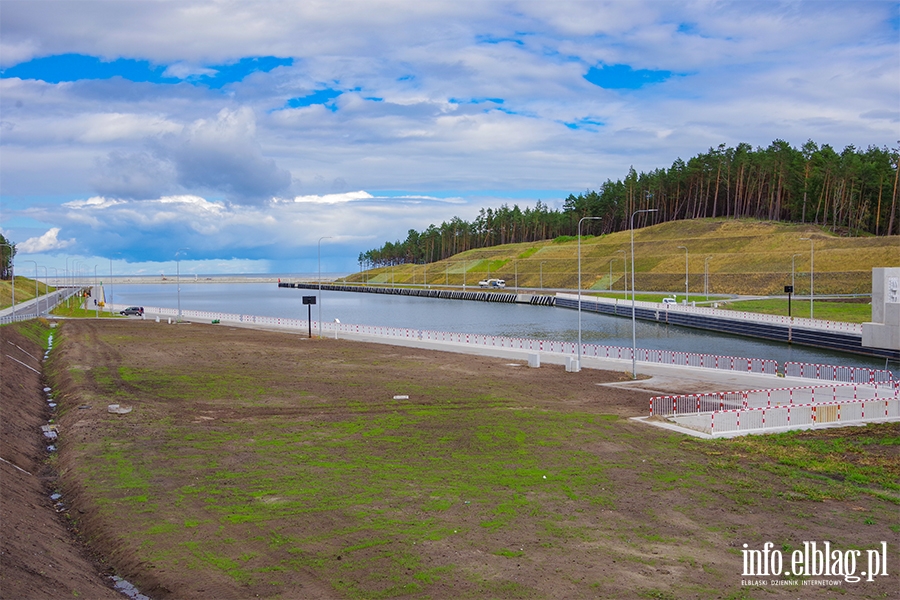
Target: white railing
point(643, 355)
point(836, 373)
point(747, 420)
point(692, 404)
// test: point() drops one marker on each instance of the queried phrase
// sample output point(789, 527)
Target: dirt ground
point(43, 557)
point(40, 555)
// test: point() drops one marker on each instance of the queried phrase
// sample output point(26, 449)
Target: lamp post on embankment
point(706, 276)
point(578, 366)
point(812, 257)
point(328, 237)
point(178, 278)
point(37, 298)
point(686, 298)
point(633, 326)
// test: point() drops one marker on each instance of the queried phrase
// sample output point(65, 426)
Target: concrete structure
point(884, 330)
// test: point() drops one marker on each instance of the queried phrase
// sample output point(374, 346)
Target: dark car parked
point(133, 310)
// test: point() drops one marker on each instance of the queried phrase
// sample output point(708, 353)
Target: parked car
point(669, 300)
point(133, 310)
point(494, 283)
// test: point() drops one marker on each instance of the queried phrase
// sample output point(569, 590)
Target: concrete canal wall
point(846, 337)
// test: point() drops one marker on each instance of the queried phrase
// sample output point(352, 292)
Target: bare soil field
point(264, 464)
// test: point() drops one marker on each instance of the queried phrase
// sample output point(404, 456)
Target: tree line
point(853, 192)
point(7, 252)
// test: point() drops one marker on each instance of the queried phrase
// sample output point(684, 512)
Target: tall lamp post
point(542, 273)
point(37, 298)
point(328, 237)
point(811, 270)
point(686, 298)
point(178, 278)
point(706, 276)
point(633, 326)
point(12, 270)
point(793, 256)
point(67, 280)
point(624, 275)
point(578, 366)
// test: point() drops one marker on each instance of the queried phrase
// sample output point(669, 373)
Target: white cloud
point(45, 243)
point(485, 104)
point(183, 70)
point(333, 198)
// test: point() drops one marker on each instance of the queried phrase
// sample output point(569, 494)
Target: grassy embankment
point(745, 257)
point(481, 485)
point(25, 291)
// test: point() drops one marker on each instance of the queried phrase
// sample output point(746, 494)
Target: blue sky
point(246, 131)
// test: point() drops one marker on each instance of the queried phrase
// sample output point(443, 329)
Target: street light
point(578, 366)
point(542, 273)
point(793, 256)
point(328, 237)
point(624, 275)
point(94, 289)
point(46, 292)
point(811, 270)
point(67, 283)
point(706, 276)
point(178, 279)
point(633, 327)
point(37, 298)
point(685, 273)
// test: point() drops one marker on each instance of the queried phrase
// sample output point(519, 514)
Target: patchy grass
point(257, 462)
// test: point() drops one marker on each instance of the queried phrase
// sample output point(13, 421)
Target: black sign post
point(789, 289)
point(309, 301)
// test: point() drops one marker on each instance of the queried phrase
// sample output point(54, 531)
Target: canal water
point(502, 319)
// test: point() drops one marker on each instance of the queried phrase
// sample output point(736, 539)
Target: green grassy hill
point(744, 257)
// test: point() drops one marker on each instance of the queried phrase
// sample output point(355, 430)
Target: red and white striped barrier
point(813, 415)
point(769, 398)
point(836, 373)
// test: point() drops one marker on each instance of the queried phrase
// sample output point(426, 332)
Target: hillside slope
point(742, 256)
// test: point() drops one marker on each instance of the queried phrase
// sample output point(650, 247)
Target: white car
point(671, 300)
point(495, 283)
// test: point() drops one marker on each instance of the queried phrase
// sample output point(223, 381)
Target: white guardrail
point(798, 322)
point(662, 357)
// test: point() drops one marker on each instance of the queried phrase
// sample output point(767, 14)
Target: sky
point(287, 137)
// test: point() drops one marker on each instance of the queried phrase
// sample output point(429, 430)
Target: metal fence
point(691, 404)
point(810, 415)
point(663, 357)
point(836, 373)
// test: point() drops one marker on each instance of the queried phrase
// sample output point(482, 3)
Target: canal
point(511, 320)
